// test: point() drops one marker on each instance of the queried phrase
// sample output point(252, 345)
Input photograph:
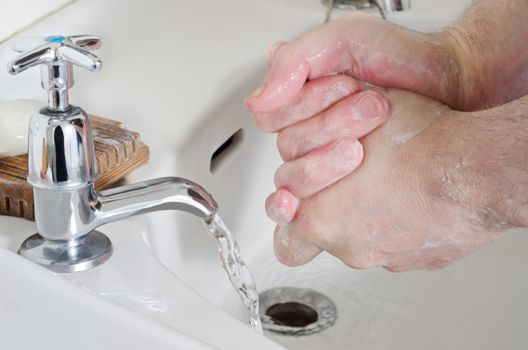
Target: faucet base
point(79, 254)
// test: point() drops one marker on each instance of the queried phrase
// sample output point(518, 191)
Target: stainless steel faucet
point(62, 168)
point(383, 6)
point(396, 5)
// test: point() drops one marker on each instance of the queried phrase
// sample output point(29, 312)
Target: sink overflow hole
point(221, 153)
point(292, 314)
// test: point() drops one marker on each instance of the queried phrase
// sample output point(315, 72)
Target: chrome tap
point(62, 168)
point(396, 5)
point(383, 6)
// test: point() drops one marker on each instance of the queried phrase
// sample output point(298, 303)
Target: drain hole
point(296, 311)
point(292, 314)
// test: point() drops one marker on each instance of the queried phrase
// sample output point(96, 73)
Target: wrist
point(485, 164)
point(467, 69)
point(487, 44)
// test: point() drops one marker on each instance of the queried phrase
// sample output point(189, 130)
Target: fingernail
point(346, 155)
point(282, 206)
point(369, 106)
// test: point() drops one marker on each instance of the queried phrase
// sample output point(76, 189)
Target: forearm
point(489, 42)
point(487, 163)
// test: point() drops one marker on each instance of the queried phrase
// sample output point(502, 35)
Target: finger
point(354, 116)
point(283, 82)
point(308, 175)
point(367, 48)
point(315, 97)
point(272, 51)
point(281, 206)
point(326, 50)
point(414, 265)
point(323, 221)
point(308, 234)
point(292, 249)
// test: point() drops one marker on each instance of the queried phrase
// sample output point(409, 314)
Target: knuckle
point(273, 49)
point(264, 122)
point(347, 80)
point(396, 268)
point(285, 50)
point(287, 148)
point(360, 257)
point(439, 264)
point(287, 258)
point(332, 89)
point(311, 174)
point(434, 264)
point(329, 120)
point(290, 249)
point(312, 219)
point(344, 86)
point(279, 177)
point(360, 262)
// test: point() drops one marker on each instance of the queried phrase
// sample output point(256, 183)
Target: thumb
point(362, 46)
point(324, 51)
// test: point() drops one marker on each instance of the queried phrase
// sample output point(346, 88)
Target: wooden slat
point(118, 152)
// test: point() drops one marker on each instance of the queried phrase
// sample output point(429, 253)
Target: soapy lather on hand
point(416, 172)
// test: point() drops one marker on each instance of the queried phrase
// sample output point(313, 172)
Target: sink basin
point(164, 287)
point(478, 303)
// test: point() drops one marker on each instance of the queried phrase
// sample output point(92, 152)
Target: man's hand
point(477, 63)
point(366, 48)
point(421, 198)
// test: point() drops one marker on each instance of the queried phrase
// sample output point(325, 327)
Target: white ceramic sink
point(177, 71)
point(478, 303)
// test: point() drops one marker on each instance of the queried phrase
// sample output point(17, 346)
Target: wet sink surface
point(478, 303)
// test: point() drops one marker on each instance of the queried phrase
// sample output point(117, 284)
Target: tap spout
point(63, 215)
point(168, 193)
point(66, 219)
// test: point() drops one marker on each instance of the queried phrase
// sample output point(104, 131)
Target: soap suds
point(398, 139)
point(283, 235)
point(337, 92)
point(342, 159)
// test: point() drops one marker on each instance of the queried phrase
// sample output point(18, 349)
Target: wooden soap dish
point(118, 152)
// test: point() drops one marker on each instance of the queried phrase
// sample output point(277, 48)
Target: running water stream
point(236, 269)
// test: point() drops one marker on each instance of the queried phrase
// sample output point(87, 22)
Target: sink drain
point(296, 311)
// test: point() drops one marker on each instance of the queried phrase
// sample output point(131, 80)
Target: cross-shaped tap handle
point(56, 55)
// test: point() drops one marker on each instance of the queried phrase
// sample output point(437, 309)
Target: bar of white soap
point(14, 123)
